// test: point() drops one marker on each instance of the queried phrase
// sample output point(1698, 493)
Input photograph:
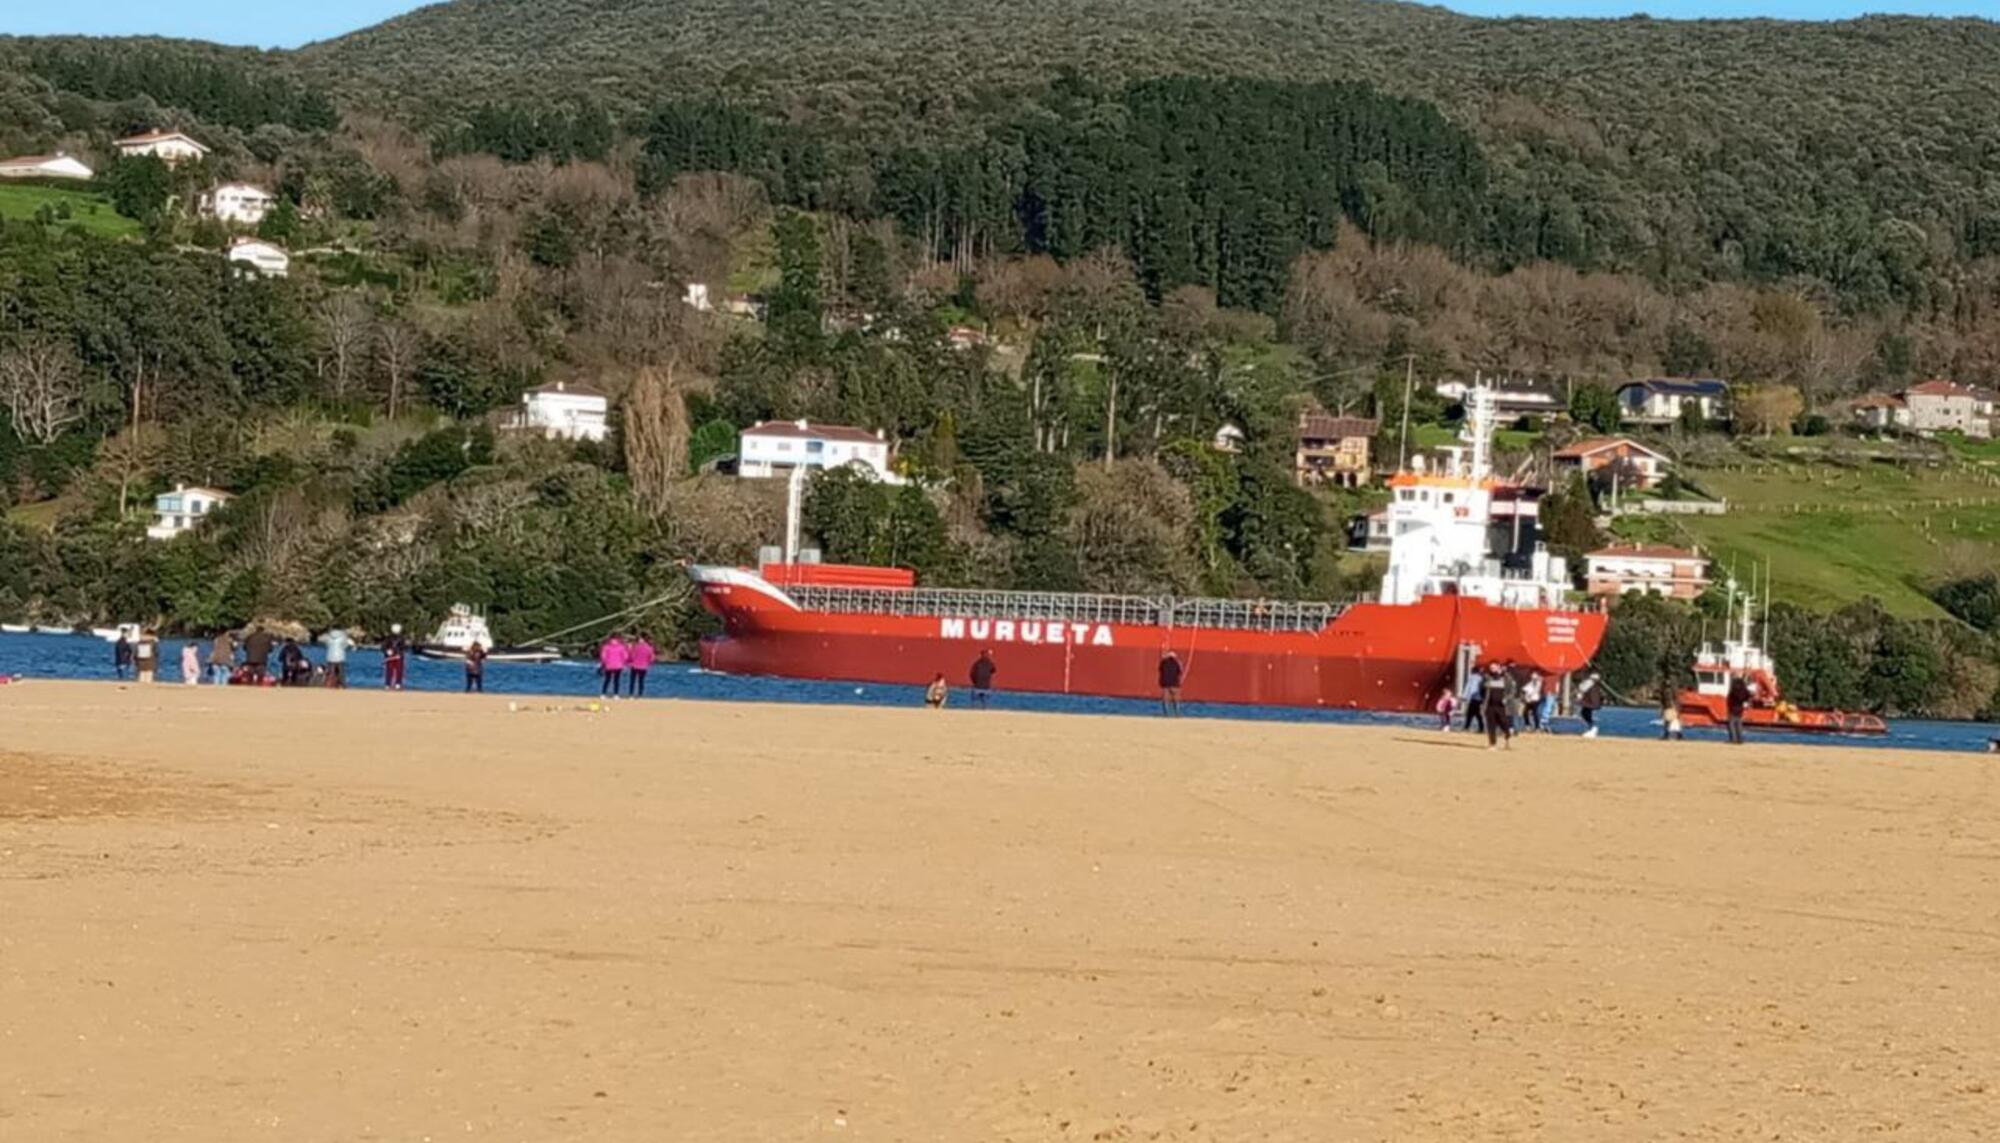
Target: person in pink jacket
point(612, 659)
point(638, 662)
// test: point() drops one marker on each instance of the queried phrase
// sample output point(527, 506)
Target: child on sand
point(936, 694)
point(190, 663)
point(1446, 704)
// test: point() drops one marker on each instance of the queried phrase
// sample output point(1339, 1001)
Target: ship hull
point(1370, 657)
point(1700, 710)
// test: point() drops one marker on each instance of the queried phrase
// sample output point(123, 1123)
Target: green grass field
point(91, 211)
point(1875, 531)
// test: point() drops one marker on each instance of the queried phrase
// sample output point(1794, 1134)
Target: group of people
point(626, 660)
point(256, 658)
point(984, 669)
point(1506, 699)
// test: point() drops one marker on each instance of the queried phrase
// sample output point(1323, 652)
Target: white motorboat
point(463, 628)
point(15, 628)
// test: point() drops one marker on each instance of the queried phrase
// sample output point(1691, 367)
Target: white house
point(1646, 569)
point(1946, 406)
point(696, 297)
point(259, 256)
point(1660, 401)
point(562, 411)
point(176, 513)
point(238, 203)
point(775, 448)
point(56, 166)
point(170, 147)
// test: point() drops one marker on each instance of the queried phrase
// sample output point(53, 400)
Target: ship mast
point(1479, 430)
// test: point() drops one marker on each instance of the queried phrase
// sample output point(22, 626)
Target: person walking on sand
point(146, 656)
point(612, 659)
point(1171, 672)
point(395, 658)
point(639, 660)
point(222, 658)
point(1589, 700)
point(1516, 705)
point(338, 643)
point(1738, 701)
point(475, 668)
point(937, 693)
point(1531, 701)
point(1474, 700)
point(983, 670)
point(1670, 718)
point(1546, 717)
point(190, 663)
point(1493, 708)
point(121, 656)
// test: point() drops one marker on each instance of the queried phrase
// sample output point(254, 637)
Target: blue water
point(83, 657)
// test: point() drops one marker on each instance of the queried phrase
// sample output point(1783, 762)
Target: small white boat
point(43, 629)
point(14, 628)
point(465, 627)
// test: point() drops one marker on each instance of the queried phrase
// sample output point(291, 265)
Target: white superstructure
point(1465, 532)
point(461, 629)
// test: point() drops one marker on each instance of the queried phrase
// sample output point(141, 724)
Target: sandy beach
point(228, 915)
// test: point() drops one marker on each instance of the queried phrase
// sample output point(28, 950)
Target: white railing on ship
point(1126, 610)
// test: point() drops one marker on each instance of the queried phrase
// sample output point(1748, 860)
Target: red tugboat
point(1468, 583)
point(1708, 703)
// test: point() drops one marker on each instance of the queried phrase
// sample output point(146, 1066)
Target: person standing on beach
point(1531, 701)
point(146, 655)
point(121, 655)
point(338, 643)
point(639, 660)
point(1738, 701)
point(937, 693)
point(475, 668)
point(222, 658)
point(190, 663)
point(1171, 672)
point(1475, 706)
point(983, 670)
point(256, 656)
point(1589, 700)
point(612, 659)
point(1670, 718)
point(1493, 708)
point(395, 657)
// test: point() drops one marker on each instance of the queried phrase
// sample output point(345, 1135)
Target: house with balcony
point(1639, 467)
point(1948, 407)
point(1334, 450)
point(179, 512)
point(170, 147)
point(777, 448)
point(1646, 569)
point(561, 411)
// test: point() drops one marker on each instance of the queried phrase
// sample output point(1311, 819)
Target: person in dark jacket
point(983, 670)
point(1738, 701)
point(295, 670)
point(1493, 707)
point(475, 668)
point(121, 655)
point(1171, 672)
point(395, 657)
point(257, 656)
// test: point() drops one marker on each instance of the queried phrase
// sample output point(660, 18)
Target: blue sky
point(291, 22)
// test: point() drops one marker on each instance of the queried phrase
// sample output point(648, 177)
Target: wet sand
point(308, 916)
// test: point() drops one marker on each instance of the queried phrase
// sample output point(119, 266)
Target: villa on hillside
point(561, 411)
point(1663, 400)
point(178, 512)
point(238, 203)
point(170, 147)
point(1931, 407)
point(776, 448)
point(1646, 569)
point(57, 166)
point(259, 256)
point(1646, 467)
point(1334, 450)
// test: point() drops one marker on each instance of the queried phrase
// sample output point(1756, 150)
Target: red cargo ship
point(1468, 584)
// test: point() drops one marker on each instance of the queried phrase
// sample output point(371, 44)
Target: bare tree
point(396, 345)
point(344, 320)
point(42, 388)
point(656, 437)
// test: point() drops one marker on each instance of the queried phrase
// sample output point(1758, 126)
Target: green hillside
point(1855, 153)
point(93, 212)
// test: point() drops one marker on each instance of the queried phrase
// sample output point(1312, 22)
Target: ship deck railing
point(1066, 607)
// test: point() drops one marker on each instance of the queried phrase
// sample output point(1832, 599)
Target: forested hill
point(1854, 154)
